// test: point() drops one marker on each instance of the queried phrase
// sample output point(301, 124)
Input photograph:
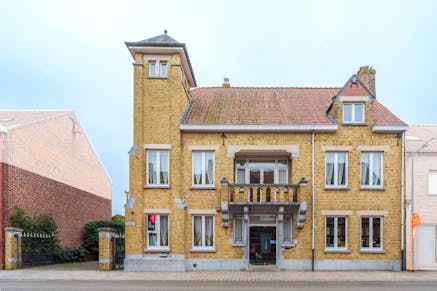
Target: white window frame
point(158, 168)
point(371, 247)
point(204, 247)
point(246, 169)
point(234, 241)
point(150, 69)
point(430, 174)
point(353, 112)
point(157, 230)
point(336, 169)
point(371, 185)
point(160, 68)
point(203, 170)
point(289, 241)
point(336, 248)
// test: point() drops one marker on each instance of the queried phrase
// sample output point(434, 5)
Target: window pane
point(164, 167)
point(287, 229)
point(163, 70)
point(209, 231)
point(238, 229)
point(152, 167)
point(152, 68)
point(153, 239)
point(330, 232)
point(432, 182)
point(269, 176)
point(282, 170)
point(347, 112)
point(341, 232)
point(376, 232)
point(197, 236)
point(365, 232)
point(359, 112)
point(197, 168)
point(163, 229)
point(365, 160)
point(341, 168)
point(241, 176)
point(255, 176)
point(330, 168)
point(209, 176)
point(376, 171)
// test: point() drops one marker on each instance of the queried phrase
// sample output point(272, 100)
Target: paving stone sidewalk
point(86, 271)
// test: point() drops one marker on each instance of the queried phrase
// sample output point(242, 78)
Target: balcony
point(260, 194)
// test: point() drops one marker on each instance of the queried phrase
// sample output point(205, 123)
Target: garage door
point(427, 245)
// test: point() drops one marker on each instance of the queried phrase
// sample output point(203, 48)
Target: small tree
point(91, 236)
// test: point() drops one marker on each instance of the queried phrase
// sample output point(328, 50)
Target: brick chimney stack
point(367, 75)
point(226, 83)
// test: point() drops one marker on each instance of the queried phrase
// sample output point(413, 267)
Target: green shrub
point(91, 236)
point(73, 254)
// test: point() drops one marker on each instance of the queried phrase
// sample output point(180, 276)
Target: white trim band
point(389, 128)
point(207, 147)
point(258, 127)
point(156, 146)
point(157, 210)
point(202, 211)
point(336, 148)
point(381, 148)
point(337, 212)
point(372, 212)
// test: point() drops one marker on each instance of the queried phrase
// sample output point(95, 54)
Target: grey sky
point(71, 55)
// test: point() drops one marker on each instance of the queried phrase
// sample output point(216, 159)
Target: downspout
point(313, 200)
point(403, 237)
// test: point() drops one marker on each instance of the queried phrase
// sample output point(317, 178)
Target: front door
point(427, 246)
point(262, 249)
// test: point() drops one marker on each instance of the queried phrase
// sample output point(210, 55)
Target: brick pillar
point(13, 247)
point(106, 254)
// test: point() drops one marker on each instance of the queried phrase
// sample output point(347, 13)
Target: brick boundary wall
point(71, 208)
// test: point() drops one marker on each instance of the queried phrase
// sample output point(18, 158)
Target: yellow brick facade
point(159, 104)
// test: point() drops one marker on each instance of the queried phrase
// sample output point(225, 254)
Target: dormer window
point(353, 113)
point(152, 68)
point(163, 69)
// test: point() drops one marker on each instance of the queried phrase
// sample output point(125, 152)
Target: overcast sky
point(71, 55)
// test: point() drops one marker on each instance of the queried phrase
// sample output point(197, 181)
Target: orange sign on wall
point(415, 220)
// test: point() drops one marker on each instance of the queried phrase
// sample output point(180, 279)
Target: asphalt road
point(210, 286)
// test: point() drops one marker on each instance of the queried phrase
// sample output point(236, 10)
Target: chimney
point(226, 83)
point(367, 75)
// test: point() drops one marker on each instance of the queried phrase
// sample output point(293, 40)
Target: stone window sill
point(238, 244)
point(157, 77)
point(370, 251)
point(157, 250)
point(354, 124)
point(203, 250)
point(337, 251)
point(156, 186)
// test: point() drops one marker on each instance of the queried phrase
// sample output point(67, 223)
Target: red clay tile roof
point(239, 105)
point(278, 106)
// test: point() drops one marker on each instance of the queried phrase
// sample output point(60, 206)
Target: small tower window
point(152, 68)
point(163, 69)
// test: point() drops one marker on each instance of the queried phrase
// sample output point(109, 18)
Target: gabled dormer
point(353, 104)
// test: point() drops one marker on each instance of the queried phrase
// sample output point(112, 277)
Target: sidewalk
point(83, 272)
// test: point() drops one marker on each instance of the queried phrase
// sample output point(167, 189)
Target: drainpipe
point(313, 200)
point(403, 238)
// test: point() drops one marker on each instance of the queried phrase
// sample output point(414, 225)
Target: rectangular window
point(157, 231)
point(238, 230)
point(371, 233)
point(203, 232)
point(353, 113)
point(261, 171)
point(163, 69)
point(203, 169)
point(152, 68)
point(336, 169)
point(287, 230)
point(432, 183)
point(336, 232)
point(157, 167)
point(371, 169)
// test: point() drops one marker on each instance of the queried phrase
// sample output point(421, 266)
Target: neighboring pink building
point(422, 140)
point(48, 165)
